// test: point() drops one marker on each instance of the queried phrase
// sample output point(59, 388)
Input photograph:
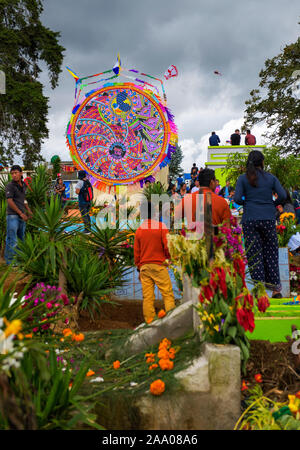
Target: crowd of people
point(258, 192)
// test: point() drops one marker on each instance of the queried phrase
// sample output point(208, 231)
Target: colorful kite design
point(121, 133)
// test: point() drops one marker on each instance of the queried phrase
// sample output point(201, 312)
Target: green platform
point(276, 323)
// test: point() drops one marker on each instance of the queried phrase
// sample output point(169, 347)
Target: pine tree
point(24, 43)
point(175, 169)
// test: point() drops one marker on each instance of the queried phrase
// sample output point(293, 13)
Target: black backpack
point(86, 191)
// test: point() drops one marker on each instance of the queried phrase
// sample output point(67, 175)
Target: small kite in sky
point(171, 72)
point(217, 72)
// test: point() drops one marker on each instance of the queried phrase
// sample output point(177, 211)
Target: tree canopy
point(175, 168)
point(25, 43)
point(275, 102)
point(285, 167)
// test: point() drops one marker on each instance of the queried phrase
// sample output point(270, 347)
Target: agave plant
point(108, 244)
point(39, 187)
point(4, 180)
point(45, 252)
point(154, 188)
point(91, 280)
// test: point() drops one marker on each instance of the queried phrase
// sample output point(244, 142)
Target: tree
point(56, 166)
point(285, 168)
point(24, 43)
point(175, 169)
point(276, 103)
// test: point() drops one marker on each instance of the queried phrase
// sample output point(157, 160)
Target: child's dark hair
point(254, 162)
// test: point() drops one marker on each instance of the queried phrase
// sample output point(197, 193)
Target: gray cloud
point(198, 36)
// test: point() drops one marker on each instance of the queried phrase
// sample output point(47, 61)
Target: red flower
point(239, 267)
point(222, 281)
point(248, 299)
point(244, 386)
point(218, 240)
point(183, 232)
point(263, 303)
point(201, 298)
point(245, 318)
point(212, 282)
point(258, 378)
point(208, 292)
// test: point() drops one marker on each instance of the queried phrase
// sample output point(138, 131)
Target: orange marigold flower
point(165, 343)
point(172, 353)
point(161, 313)
point(153, 366)
point(149, 355)
point(67, 332)
point(157, 387)
point(116, 364)
point(78, 337)
point(244, 386)
point(90, 373)
point(28, 336)
point(166, 364)
point(150, 360)
point(163, 354)
point(258, 378)
point(298, 394)
point(149, 320)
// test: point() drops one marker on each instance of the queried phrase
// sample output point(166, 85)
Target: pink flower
point(66, 321)
point(65, 299)
point(35, 329)
point(49, 305)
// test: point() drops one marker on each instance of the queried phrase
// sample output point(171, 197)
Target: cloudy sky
point(198, 36)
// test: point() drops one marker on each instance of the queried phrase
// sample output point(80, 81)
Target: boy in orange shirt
point(150, 254)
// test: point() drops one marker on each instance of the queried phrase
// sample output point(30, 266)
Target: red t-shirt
point(150, 243)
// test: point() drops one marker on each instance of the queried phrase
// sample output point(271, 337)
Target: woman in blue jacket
point(254, 190)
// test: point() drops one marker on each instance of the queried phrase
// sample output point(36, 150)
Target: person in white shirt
point(196, 187)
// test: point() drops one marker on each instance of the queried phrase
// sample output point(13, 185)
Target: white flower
point(132, 383)
point(97, 380)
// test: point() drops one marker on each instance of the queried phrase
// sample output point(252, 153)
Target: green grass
point(276, 322)
point(273, 330)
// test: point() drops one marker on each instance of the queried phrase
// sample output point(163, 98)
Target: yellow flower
point(12, 327)
point(216, 327)
point(294, 403)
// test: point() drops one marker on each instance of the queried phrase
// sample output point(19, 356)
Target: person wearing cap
point(17, 212)
point(84, 206)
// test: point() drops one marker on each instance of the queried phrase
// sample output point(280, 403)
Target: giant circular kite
point(121, 133)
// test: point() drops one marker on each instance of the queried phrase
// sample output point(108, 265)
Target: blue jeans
point(15, 228)
point(84, 209)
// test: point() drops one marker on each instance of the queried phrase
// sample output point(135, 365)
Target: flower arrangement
point(262, 413)
point(286, 229)
point(11, 349)
point(44, 303)
point(226, 306)
point(163, 359)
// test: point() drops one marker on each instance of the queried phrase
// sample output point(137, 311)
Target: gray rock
point(176, 323)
